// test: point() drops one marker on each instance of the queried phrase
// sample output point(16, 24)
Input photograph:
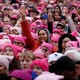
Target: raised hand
point(23, 14)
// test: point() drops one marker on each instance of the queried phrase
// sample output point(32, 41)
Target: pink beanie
point(16, 49)
point(21, 39)
point(47, 45)
point(41, 63)
point(55, 37)
point(33, 25)
point(73, 43)
point(4, 60)
point(38, 53)
point(21, 74)
point(14, 16)
point(4, 42)
point(49, 76)
point(18, 29)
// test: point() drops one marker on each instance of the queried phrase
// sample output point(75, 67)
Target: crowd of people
point(39, 39)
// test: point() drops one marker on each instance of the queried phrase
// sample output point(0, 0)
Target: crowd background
point(39, 39)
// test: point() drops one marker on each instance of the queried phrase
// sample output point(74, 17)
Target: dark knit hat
point(64, 64)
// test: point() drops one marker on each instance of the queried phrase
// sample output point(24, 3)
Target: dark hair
point(15, 64)
point(72, 38)
point(48, 34)
point(64, 64)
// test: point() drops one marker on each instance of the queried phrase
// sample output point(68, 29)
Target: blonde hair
point(28, 54)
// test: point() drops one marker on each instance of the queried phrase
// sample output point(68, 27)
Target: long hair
point(72, 38)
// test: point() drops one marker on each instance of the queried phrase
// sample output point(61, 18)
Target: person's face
point(65, 40)
point(13, 78)
point(45, 51)
point(60, 29)
point(8, 51)
point(57, 16)
point(6, 30)
point(33, 14)
point(68, 46)
point(54, 43)
point(37, 69)
point(14, 31)
point(6, 22)
point(2, 69)
point(63, 21)
point(65, 10)
point(44, 21)
point(6, 12)
point(13, 21)
point(25, 62)
point(57, 9)
point(43, 36)
point(18, 43)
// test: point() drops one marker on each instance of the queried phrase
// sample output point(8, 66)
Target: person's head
point(63, 39)
point(6, 21)
point(71, 44)
point(39, 66)
point(26, 59)
point(6, 11)
point(52, 58)
point(33, 13)
point(57, 9)
point(65, 10)
point(16, 30)
point(6, 29)
point(61, 27)
point(20, 75)
point(19, 41)
point(66, 67)
point(44, 18)
point(46, 48)
point(13, 20)
point(33, 27)
point(73, 54)
point(63, 20)
point(44, 35)
point(54, 40)
point(11, 50)
point(56, 16)
point(4, 65)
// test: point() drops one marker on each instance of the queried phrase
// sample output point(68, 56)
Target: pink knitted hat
point(21, 39)
point(33, 25)
point(38, 53)
point(18, 29)
point(40, 63)
point(4, 61)
point(13, 16)
point(4, 42)
point(21, 74)
point(55, 37)
point(49, 76)
point(16, 49)
point(47, 45)
point(73, 43)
